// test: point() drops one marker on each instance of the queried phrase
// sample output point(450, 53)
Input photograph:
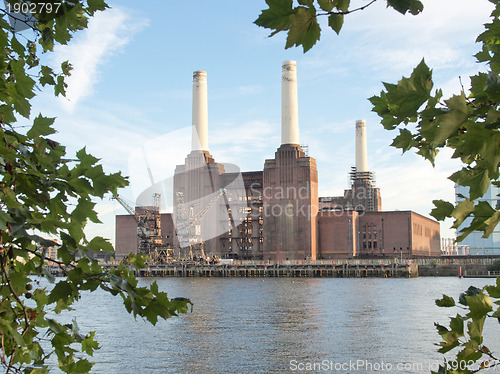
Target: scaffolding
point(148, 221)
point(188, 226)
point(363, 189)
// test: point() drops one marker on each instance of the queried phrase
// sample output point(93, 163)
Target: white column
point(200, 112)
point(361, 152)
point(289, 104)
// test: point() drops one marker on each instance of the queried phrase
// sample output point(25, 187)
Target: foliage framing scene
point(46, 195)
point(468, 123)
point(46, 200)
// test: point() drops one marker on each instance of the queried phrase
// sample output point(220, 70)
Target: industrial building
point(275, 214)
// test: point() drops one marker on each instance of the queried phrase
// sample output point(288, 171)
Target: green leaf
point(405, 98)
point(60, 86)
point(66, 68)
point(326, 5)
point(335, 21)
point(308, 3)
point(137, 260)
point(449, 123)
point(24, 83)
point(416, 7)
point(404, 140)
point(476, 178)
point(429, 153)
point(16, 46)
point(475, 328)
point(42, 126)
point(304, 29)
point(55, 326)
point(5, 218)
point(483, 56)
point(442, 210)
point(457, 325)
point(490, 151)
point(403, 6)
point(471, 291)
point(446, 302)
point(89, 345)
point(98, 244)
point(47, 76)
point(95, 5)
point(11, 327)
point(86, 158)
point(82, 366)
point(277, 17)
point(343, 5)
point(494, 291)
point(63, 290)
point(485, 218)
point(461, 211)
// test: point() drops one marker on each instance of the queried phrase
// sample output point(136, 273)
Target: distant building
point(51, 252)
point(477, 245)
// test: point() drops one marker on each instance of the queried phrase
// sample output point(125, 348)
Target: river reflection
point(261, 325)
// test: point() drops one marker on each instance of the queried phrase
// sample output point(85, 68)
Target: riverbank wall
point(454, 266)
point(295, 270)
point(348, 268)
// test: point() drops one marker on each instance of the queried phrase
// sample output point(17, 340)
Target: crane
point(188, 228)
point(148, 221)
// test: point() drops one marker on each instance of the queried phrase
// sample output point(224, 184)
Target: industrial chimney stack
point(200, 112)
point(361, 153)
point(289, 104)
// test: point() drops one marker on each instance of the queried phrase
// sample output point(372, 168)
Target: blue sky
point(130, 93)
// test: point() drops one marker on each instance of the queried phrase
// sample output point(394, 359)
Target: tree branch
point(27, 23)
point(349, 11)
point(26, 319)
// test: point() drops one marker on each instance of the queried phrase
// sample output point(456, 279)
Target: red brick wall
point(290, 202)
point(337, 234)
point(126, 240)
point(426, 236)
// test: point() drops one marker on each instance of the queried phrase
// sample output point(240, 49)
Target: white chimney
point(289, 104)
point(361, 153)
point(200, 112)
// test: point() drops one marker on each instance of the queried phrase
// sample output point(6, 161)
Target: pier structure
point(296, 270)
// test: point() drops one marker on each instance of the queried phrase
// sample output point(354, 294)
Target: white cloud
point(386, 43)
point(107, 33)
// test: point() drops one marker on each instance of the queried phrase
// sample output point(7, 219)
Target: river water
point(279, 325)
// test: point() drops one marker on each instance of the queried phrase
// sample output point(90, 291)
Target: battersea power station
point(274, 214)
